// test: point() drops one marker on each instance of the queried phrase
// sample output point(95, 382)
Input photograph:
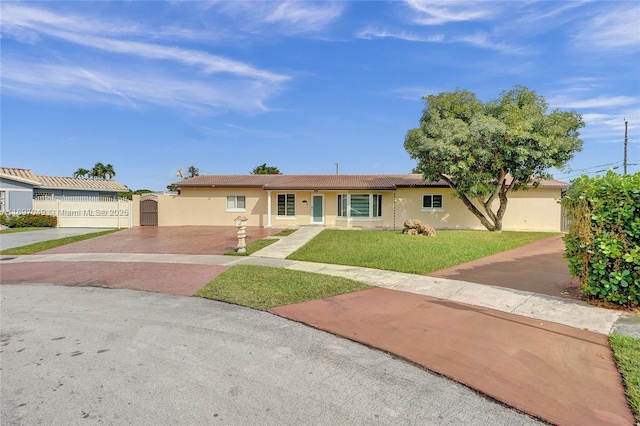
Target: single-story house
point(19, 187)
point(367, 201)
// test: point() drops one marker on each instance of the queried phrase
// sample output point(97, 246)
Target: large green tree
point(485, 150)
point(263, 169)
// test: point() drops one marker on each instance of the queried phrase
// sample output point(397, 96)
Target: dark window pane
point(281, 204)
point(359, 205)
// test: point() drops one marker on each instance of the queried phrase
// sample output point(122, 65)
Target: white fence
point(87, 212)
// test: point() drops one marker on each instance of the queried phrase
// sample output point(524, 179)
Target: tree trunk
point(483, 219)
point(493, 222)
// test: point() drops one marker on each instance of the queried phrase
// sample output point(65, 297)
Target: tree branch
point(485, 222)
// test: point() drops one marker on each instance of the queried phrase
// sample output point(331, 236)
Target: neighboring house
point(20, 187)
point(367, 201)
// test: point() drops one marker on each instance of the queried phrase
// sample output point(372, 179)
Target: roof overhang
point(19, 179)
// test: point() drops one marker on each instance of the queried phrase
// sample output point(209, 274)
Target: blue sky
point(151, 87)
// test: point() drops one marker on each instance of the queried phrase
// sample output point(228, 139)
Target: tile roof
point(81, 183)
point(27, 176)
point(19, 175)
point(327, 182)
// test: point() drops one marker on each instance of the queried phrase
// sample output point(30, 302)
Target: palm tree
point(98, 171)
point(109, 171)
point(81, 173)
point(193, 171)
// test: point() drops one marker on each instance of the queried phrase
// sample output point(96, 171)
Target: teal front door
point(317, 209)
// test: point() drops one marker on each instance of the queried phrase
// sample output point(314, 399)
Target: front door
point(317, 209)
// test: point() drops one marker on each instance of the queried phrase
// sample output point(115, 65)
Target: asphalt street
point(83, 355)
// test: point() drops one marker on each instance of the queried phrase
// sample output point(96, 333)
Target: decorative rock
point(415, 227)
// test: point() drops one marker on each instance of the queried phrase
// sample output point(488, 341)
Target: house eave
point(19, 179)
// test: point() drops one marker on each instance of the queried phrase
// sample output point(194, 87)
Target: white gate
point(87, 212)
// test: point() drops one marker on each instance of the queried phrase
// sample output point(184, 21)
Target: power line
point(580, 172)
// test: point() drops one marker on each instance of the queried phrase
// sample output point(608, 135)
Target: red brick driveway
point(173, 278)
point(166, 239)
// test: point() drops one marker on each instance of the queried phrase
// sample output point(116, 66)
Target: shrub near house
point(603, 243)
point(28, 220)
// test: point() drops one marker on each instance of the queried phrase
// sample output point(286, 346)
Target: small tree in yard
point(485, 150)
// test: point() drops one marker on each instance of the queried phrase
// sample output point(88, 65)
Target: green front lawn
point(394, 251)
point(261, 287)
point(46, 245)
point(627, 354)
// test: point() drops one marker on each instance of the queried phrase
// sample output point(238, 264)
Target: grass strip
point(46, 245)
point(417, 254)
point(626, 351)
point(285, 232)
point(25, 229)
point(252, 247)
point(262, 287)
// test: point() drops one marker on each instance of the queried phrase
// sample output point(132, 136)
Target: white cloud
point(615, 30)
point(285, 17)
point(439, 12)
point(371, 33)
point(485, 41)
point(75, 30)
point(597, 102)
point(191, 79)
point(481, 40)
point(303, 16)
point(129, 88)
point(19, 18)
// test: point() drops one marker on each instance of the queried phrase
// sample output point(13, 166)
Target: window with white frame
point(360, 205)
point(3, 201)
point(287, 205)
point(431, 202)
point(236, 203)
point(43, 196)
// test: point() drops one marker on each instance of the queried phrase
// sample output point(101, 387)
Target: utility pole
point(626, 141)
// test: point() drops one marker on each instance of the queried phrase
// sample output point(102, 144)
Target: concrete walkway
point(287, 245)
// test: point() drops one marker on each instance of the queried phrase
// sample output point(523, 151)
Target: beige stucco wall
point(532, 210)
point(208, 207)
point(135, 206)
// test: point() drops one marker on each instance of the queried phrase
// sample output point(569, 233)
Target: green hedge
point(603, 243)
point(28, 220)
